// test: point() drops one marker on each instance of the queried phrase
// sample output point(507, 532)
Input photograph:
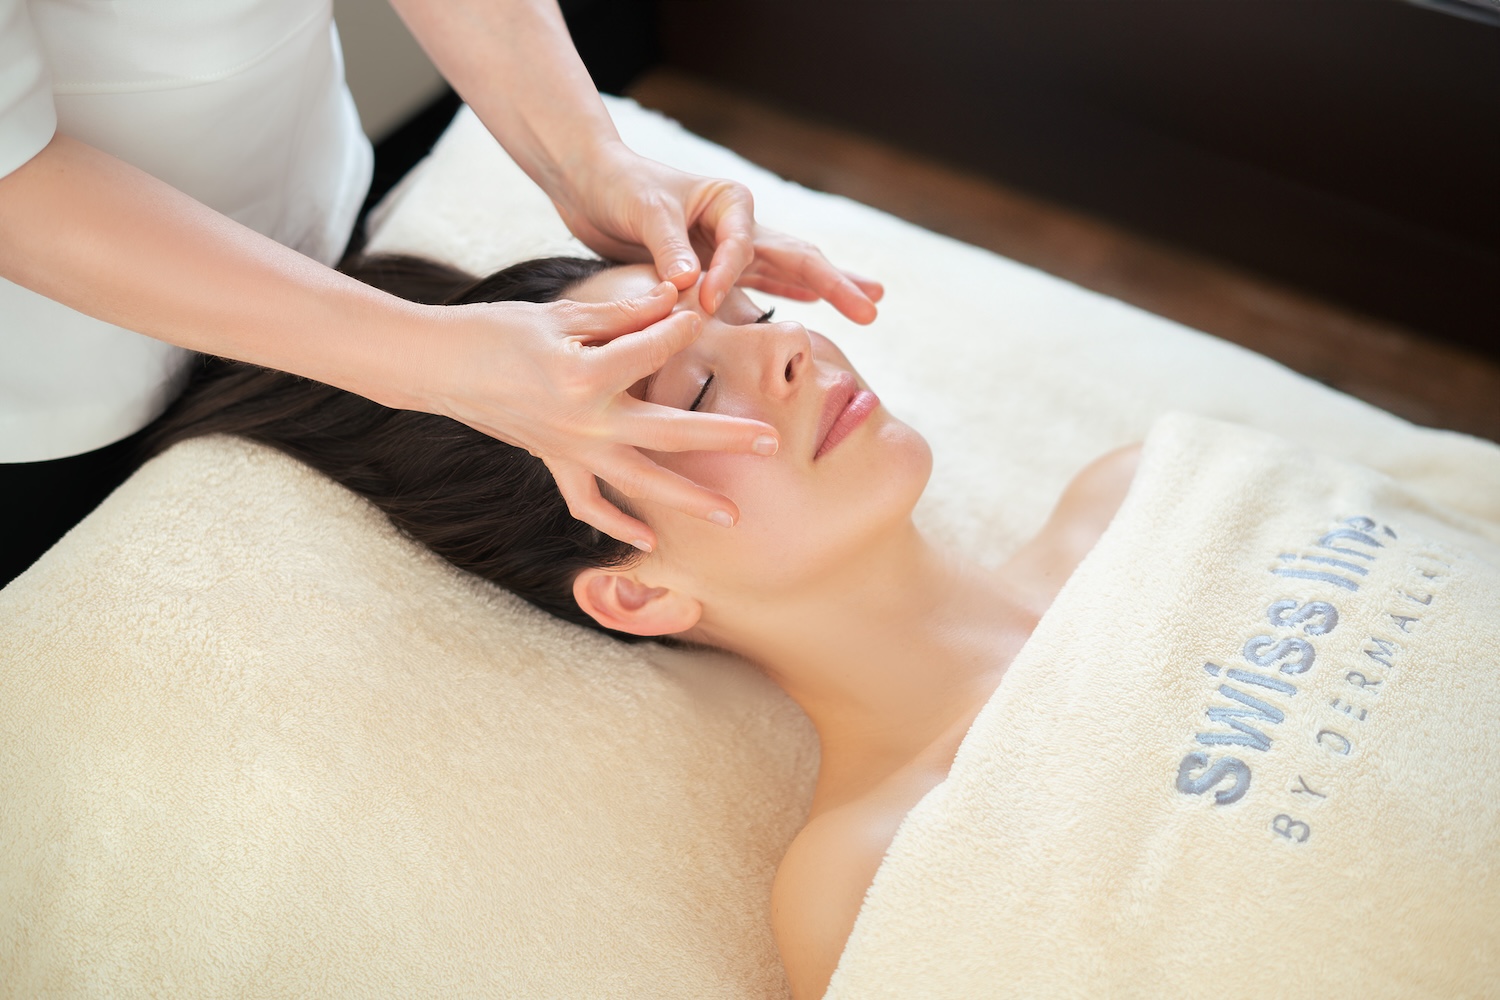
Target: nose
point(787, 357)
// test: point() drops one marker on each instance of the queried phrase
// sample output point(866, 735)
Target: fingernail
point(678, 267)
point(722, 519)
point(765, 445)
point(642, 544)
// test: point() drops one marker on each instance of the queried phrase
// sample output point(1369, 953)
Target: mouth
point(845, 408)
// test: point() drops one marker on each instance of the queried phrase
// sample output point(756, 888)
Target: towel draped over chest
point(1252, 749)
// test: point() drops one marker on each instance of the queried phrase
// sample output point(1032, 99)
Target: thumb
point(602, 322)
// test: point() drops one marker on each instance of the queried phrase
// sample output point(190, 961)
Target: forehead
point(629, 280)
point(616, 283)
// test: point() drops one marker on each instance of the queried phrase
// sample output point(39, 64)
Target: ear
point(619, 601)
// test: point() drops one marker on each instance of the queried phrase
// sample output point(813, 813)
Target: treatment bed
point(254, 742)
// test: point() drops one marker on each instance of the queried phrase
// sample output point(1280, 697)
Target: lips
point(845, 408)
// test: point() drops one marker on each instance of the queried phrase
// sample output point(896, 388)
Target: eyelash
point(703, 391)
point(765, 317)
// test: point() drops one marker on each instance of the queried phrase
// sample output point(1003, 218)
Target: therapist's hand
point(627, 207)
point(552, 378)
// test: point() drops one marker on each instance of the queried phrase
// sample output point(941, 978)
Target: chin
point(906, 464)
point(887, 477)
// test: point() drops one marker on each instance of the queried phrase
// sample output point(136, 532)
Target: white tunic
point(239, 103)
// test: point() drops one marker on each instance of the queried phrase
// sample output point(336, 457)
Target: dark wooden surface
point(1428, 382)
point(1349, 148)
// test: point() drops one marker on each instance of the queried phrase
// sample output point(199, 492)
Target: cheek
point(794, 519)
point(882, 478)
point(773, 495)
point(715, 563)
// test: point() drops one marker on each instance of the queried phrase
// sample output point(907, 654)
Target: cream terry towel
point(254, 743)
point(1252, 750)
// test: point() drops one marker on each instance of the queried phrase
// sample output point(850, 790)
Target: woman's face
point(846, 469)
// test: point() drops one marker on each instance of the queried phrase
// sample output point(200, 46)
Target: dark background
point(1348, 148)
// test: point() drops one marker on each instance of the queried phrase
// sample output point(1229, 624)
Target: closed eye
point(764, 317)
point(702, 392)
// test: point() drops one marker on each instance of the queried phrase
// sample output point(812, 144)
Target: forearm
point(106, 239)
point(514, 63)
point(94, 233)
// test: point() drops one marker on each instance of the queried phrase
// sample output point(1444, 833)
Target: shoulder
point(821, 886)
point(1090, 500)
point(1106, 478)
point(1087, 505)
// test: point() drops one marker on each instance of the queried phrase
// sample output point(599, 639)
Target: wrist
point(381, 347)
point(405, 356)
point(585, 167)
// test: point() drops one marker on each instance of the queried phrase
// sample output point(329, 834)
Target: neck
point(890, 655)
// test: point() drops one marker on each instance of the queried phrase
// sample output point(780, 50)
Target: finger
point(874, 290)
point(666, 428)
point(806, 266)
point(602, 322)
point(771, 284)
point(776, 286)
point(732, 215)
point(580, 490)
point(664, 232)
point(639, 478)
point(624, 361)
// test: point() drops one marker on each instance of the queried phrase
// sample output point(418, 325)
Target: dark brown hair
point(481, 504)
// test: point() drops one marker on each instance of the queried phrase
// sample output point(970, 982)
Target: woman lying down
point(890, 643)
point(815, 584)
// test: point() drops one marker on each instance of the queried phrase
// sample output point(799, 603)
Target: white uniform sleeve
point(27, 116)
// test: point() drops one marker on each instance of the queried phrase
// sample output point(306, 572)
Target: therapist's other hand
point(552, 378)
point(630, 208)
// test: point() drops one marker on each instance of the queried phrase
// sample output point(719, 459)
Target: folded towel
point(255, 743)
point(1253, 749)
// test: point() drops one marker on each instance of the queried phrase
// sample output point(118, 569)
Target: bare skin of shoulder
point(861, 799)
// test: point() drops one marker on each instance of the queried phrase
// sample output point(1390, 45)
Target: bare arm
point(514, 63)
point(96, 234)
point(1087, 505)
point(102, 237)
point(93, 233)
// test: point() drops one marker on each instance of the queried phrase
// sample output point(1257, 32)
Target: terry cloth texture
point(254, 743)
point(1253, 749)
